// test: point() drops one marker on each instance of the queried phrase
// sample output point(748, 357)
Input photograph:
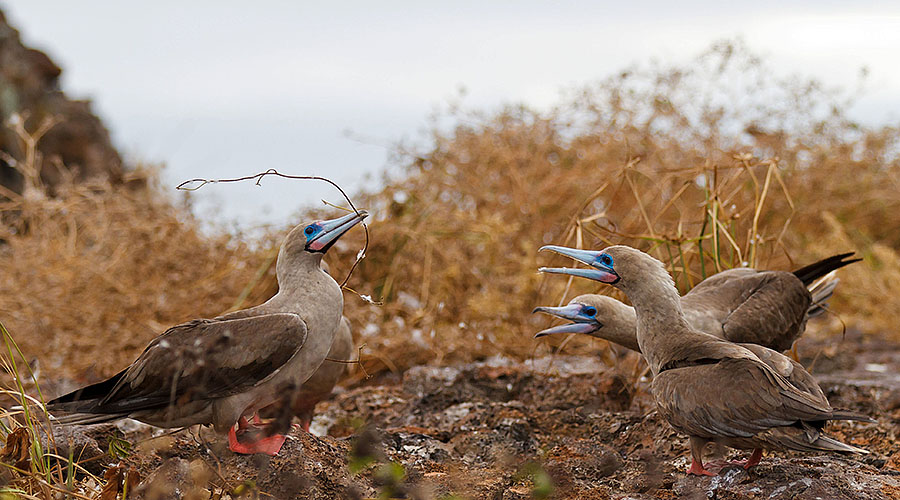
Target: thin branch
point(358, 361)
point(197, 183)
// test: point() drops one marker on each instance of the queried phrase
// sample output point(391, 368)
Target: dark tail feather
point(826, 443)
point(96, 391)
point(809, 274)
point(81, 406)
point(87, 418)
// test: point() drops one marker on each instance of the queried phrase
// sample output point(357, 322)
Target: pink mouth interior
point(606, 277)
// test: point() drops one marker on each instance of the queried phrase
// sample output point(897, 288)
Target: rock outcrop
point(77, 146)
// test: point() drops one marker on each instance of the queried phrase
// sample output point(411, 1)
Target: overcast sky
point(219, 89)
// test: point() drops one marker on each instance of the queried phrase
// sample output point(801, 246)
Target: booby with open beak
point(711, 389)
point(767, 308)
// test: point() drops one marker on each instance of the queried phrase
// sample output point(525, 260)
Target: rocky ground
point(563, 427)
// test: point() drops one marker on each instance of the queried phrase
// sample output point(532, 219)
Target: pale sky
point(221, 89)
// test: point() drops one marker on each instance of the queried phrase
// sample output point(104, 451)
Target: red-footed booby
point(767, 308)
point(217, 371)
point(319, 386)
point(608, 319)
point(708, 388)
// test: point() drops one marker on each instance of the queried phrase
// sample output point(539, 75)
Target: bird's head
point(310, 241)
point(321, 235)
point(583, 313)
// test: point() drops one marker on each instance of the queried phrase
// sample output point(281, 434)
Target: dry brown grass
point(774, 174)
point(87, 279)
point(706, 167)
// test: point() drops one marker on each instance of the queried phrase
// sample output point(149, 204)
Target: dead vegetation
point(707, 167)
point(718, 160)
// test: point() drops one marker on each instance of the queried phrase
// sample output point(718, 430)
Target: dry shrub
point(87, 279)
point(707, 167)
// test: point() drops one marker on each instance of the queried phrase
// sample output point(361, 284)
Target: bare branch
point(197, 183)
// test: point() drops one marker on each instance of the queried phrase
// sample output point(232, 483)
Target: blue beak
point(602, 273)
point(333, 229)
point(572, 312)
point(584, 256)
point(567, 328)
point(591, 274)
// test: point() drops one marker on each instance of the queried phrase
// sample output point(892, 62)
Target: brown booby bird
point(767, 308)
point(711, 389)
point(618, 325)
point(217, 371)
point(318, 387)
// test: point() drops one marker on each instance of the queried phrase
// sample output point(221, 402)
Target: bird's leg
point(243, 424)
point(753, 461)
point(716, 461)
point(697, 445)
point(305, 415)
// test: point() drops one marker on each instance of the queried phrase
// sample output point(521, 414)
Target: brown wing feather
point(732, 398)
point(206, 359)
point(767, 308)
point(773, 315)
point(791, 370)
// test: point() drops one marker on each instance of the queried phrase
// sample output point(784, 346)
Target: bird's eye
point(309, 230)
point(590, 311)
point(606, 260)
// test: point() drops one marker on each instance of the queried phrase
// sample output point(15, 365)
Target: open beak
point(333, 229)
point(582, 323)
point(567, 328)
point(591, 274)
point(599, 272)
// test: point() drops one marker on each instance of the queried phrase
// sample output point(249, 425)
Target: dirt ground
point(562, 427)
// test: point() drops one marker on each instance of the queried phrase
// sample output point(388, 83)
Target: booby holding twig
point(708, 388)
point(218, 371)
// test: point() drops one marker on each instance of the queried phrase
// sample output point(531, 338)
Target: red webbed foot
point(269, 445)
point(698, 470)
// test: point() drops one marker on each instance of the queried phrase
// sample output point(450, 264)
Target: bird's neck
point(621, 326)
point(660, 319)
point(312, 294)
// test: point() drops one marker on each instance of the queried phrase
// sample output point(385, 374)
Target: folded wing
point(201, 360)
